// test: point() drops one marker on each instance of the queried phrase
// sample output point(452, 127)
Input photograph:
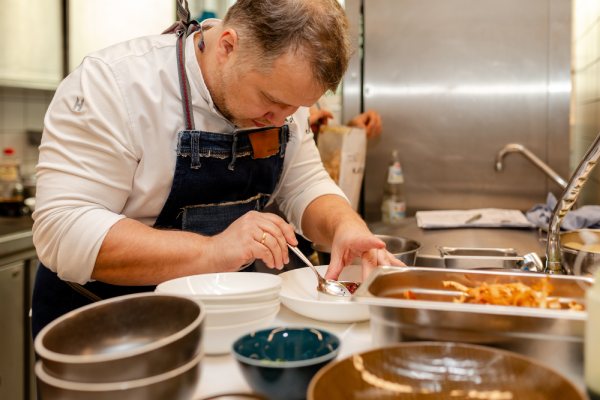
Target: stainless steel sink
point(468, 248)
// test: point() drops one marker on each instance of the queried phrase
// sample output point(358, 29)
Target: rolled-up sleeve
point(85, 171)
point(304, 178)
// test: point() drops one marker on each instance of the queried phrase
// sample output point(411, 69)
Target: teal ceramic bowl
point(280, 362)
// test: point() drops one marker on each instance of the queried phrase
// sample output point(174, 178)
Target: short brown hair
point(317, 29)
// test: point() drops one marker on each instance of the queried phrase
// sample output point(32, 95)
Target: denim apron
point(218, 178)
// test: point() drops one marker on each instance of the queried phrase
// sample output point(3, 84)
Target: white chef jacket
point(108, 150)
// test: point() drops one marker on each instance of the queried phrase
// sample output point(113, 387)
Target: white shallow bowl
point(299, 294)
point(223, 286)
point(218, 340)
point(224, 317)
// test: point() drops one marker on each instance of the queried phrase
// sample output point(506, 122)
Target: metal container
point(554, 337)
point(177, 384)
point(480, 258)
point(580, 250)
point(122, 339)
point(403, 249)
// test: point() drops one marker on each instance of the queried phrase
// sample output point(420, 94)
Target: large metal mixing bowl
point(402, 248)
point(177, 384)
point(123, 338)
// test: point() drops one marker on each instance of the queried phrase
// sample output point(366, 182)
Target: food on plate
point(512, 294)
point(351, 286)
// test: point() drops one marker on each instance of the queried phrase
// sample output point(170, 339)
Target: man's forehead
point(291, 81)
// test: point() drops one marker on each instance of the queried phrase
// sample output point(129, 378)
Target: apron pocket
point(212, 219)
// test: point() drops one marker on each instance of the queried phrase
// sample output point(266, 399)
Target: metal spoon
point(327, 286)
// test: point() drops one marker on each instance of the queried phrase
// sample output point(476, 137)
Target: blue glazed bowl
point(280, 362)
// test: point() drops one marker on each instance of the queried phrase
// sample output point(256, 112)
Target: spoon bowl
point(326, 286)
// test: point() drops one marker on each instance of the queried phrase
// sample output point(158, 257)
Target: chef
point(159, 154)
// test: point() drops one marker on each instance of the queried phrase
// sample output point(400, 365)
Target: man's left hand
point(354, 242)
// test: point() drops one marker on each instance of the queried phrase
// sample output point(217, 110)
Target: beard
point(222, 86)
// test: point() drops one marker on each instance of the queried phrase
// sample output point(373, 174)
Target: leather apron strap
point(184, 27)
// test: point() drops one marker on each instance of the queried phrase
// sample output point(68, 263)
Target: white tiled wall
point(22, 110)
point(585, 104)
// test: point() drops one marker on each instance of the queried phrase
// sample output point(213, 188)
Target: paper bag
point(343, 151)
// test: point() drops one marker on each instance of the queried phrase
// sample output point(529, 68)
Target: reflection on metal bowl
point(402, 248)
point(438, 370)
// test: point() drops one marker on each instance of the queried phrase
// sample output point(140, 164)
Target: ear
point(227, 44)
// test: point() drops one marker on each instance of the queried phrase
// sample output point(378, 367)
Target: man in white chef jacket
point(158, 155)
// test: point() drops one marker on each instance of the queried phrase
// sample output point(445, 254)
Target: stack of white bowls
point(236, 303)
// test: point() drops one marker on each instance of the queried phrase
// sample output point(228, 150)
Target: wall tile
point(13, 114)
point(586, 96)
point(34, 114)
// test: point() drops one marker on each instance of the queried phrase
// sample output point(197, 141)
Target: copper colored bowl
point(439, 371)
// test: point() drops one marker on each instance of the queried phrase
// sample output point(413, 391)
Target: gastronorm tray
point(552, 336)
point(434, 305)
point(480, 258)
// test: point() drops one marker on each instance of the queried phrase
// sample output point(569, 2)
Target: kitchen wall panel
point(22, 110)
point(585, 120)
point(456, 80)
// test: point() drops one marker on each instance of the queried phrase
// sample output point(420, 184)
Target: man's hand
point(319, 116)
point(330, 219)
point(353, 241)
point(370, 121)
point(255, 235)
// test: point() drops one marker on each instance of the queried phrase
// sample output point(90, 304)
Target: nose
point(277, 117)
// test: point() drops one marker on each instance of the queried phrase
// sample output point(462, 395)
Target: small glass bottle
point(592, 342)
point(393, 203)
point(11, 184)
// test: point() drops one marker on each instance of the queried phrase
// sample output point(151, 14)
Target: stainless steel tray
point(480, 258)
point(552, 336)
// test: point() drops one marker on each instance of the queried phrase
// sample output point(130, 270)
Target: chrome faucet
point(519, 148)
point(564, 204)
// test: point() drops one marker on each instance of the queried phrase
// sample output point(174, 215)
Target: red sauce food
point(351, 286)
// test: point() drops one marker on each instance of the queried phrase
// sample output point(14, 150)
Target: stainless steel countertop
point(522, 240)
point(15, 235)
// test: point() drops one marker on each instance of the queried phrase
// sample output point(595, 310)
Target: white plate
point(299, 294)
point(224, 285)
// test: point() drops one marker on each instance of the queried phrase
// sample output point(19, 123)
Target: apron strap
point(184, 23)
point(83, 291)
point(183, 27)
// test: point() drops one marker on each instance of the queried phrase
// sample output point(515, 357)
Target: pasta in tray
point(512, 294)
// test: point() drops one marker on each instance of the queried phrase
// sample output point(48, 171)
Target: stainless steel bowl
point(123, 338)
point(177, 384)
point(580, 250)
point(402, 248)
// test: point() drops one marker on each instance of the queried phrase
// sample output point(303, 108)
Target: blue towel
point(582, 217)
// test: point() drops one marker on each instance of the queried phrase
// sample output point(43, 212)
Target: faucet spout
point(535, 160)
